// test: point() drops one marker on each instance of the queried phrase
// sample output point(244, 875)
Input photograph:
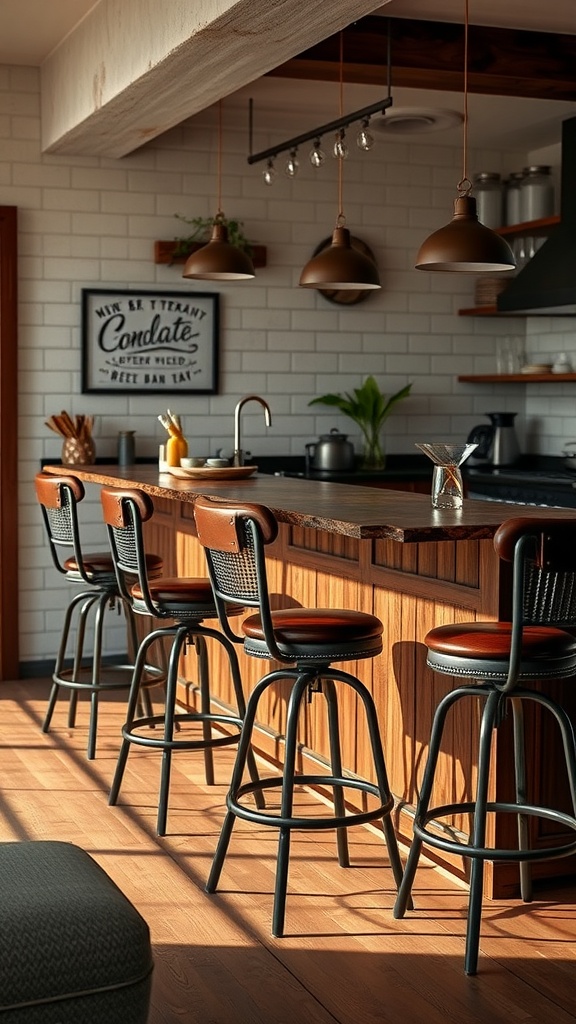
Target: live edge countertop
point(361, 512)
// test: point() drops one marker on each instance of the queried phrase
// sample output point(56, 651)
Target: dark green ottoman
point(73, 949)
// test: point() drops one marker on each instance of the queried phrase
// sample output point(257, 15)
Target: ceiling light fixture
point(365, 139)
point(292, 164)
point(269, 172)
point(340, 266)
point(337, 127)
point(465, 245)
point(317, 155)
point(219, 260)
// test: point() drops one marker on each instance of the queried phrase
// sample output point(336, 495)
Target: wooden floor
point(344, 959)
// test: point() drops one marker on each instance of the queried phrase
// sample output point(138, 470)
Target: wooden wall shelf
point(164, 253)
point(516, 378)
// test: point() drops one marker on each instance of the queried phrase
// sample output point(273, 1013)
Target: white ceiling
point(31, 29)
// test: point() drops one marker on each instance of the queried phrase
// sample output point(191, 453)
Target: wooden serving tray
point(213, 472)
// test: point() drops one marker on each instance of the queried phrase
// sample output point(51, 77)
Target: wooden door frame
point(9, 648)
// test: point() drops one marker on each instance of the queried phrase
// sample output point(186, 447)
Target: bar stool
point(538, 644)
point(186, 602)
point(59, 497)
point(307, 642)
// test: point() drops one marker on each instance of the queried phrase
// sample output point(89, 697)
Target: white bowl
point(192, 463)
point(217, 463)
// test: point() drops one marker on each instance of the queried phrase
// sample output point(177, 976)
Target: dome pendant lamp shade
point(219, 260)
point(465, 245)
point(340, 266)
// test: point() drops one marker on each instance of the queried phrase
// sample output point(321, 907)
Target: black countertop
point(398, 467)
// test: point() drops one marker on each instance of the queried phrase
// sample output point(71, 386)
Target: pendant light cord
point(465, 185)
point(220, 212)
point(341, 219)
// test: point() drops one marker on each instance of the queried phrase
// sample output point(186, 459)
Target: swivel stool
point(537, 644)
point(182, 603)
point(92, 572)
point(306, 642)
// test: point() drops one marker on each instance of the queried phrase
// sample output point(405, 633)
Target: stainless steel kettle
point(332, 452)
point(497, 441)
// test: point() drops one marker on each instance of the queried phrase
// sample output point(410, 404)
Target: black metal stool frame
point(127, 547)
point(311, 673)
point(62, 529)
point(537, 564)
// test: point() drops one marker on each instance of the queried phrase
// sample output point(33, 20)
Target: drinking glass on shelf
point(447, 485)
point(510, 356)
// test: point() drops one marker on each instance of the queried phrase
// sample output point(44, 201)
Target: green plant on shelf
point(202, 229)
point(369, 408)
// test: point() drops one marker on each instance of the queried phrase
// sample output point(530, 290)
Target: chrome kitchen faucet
point(238, 453)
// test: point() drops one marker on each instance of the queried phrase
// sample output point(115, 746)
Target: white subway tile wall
point(92, 223)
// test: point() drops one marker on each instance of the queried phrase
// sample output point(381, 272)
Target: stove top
point(548, 485)
point(554, 476)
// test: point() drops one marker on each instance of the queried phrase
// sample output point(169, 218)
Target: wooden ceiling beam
point(430, 55)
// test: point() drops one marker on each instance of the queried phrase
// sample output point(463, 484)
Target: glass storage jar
point(488, 192)
point(513, 198)
point(536, 193)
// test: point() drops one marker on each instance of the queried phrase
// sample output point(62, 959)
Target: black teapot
point(332, 452)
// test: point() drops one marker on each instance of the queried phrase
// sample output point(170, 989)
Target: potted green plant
point(202, 229)
point(368, 407)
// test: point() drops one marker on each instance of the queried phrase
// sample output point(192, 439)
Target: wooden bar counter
point(389, 553)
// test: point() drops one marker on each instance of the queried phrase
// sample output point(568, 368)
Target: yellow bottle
point(176, 448)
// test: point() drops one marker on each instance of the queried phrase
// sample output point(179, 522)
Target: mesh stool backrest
point(58, 497)
point(544, 579)
point(543, 554)
point(234, 537)
point(125, 511)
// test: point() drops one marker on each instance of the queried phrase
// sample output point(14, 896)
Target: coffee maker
point(497, 441)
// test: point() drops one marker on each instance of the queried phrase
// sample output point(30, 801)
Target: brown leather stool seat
point(186, 602)
point(306, 642)
point(93, 572)
point(309, 634)
point(538, 643)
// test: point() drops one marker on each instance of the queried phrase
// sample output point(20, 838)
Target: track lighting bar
point(316, 133)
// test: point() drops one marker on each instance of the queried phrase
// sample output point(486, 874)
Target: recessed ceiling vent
point(415, 120)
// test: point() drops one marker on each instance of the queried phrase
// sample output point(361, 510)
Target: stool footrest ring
point(160, 742)
point(495, 853)
point(343, 821)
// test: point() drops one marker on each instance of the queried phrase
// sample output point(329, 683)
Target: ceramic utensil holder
point(76, 452)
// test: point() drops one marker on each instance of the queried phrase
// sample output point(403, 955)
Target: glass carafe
point(447, 485)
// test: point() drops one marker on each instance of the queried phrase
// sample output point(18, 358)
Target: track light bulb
point(365, 139)
point(317, 155)
point(292, 165)
point(269, 173)
point(340, 150)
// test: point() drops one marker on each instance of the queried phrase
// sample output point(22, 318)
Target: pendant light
point(465, 245)
point(340, 266)
point(219, 260)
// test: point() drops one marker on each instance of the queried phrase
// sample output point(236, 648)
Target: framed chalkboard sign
point(136, 342)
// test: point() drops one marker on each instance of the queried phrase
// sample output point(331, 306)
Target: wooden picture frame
point(137, 342)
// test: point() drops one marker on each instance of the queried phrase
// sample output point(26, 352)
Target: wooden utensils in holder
point(78, 448)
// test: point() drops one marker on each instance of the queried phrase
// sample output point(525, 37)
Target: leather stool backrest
point(58, 497)
point(125, 510)
point(234, 537)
